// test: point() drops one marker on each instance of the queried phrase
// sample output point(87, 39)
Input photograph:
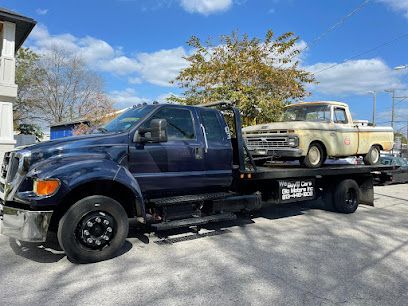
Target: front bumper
point(277, 152)
point(24, 225)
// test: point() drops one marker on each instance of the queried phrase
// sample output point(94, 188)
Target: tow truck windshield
point(127, 120)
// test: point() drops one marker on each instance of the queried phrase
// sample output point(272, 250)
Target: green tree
point(27, 72)
point(259, 76)
point(31, 129)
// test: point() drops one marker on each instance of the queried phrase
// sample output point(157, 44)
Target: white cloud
point(135, 80)
point(156, 68)
point(129, 97)
point(126, 98)
point(163, 97)
point(354, 77)
point(206, 7)
point(397, 5)
point(121, 65)
point(162, 66)
point(41, 11)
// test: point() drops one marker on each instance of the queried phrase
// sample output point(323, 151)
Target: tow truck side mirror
point(158, 130)
point(155, 133)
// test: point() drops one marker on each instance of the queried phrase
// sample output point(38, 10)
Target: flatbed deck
point(285, 171)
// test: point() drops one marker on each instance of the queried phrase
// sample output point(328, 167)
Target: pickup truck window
point(340, 115)
point(179, 123)
point(319, 113)
point(215, 132)
point(126, 120)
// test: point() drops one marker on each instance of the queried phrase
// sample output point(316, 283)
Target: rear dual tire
point(346, 196)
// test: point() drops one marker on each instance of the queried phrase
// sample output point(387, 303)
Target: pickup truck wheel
point(373, 156)
point(93, 229)
point(346, 196)
point(314, 157)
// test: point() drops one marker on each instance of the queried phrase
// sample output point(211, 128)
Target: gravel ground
point(283, 255)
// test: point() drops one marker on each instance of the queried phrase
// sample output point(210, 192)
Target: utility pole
point(374, 93)
point(393, 108)
point(393, 105)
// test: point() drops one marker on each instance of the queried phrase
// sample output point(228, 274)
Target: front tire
point(373, 156)
point(315, 156)
point(93, 229)
point(346, 196)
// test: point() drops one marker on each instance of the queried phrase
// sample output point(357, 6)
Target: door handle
point(198, 152)
point(205, 138)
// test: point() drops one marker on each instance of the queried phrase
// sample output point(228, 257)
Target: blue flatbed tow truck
point(168, 166)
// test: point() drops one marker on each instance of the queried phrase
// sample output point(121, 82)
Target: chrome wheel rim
point(314, 155)
point(375, 155)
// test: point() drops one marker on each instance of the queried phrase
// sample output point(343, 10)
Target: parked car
point(398, 175)
point(311, 132)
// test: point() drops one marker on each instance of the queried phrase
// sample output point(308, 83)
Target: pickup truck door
point(218, 149)
point(346, 133)
point(173, 166)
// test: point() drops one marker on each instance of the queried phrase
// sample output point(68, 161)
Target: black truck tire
point(93, 229)
point(373, 156)
point(315, 156)
point(346, 196)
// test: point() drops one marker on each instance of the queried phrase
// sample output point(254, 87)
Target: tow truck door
point(218, 148)
point(175, 166)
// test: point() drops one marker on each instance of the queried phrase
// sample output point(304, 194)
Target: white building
point(14, 29)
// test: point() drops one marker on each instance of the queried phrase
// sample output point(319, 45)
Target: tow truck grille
point(9, 167)
point(267, 143)
point(5, 164)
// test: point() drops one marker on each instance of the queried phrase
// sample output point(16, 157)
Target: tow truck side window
point(179, 123)
point(215, 132)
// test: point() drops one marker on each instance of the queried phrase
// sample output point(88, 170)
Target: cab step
point(180, 200)
point(193, 221)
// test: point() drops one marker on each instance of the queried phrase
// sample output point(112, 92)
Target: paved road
point(283, 255)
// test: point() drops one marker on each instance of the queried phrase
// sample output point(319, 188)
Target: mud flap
point(366, 190)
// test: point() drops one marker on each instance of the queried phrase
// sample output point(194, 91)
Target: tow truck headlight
point(46, 187)
point(293, 141)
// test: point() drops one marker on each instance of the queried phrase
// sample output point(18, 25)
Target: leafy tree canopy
point(27, 71)
point(259, 76)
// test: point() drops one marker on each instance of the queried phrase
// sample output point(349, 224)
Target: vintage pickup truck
point(311, 132)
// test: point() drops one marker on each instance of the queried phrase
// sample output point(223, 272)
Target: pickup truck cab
point(167, 166)
point(314, 131)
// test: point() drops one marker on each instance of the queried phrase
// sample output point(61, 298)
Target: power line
point(336, 25)
point(365, 52)
point(339, 23)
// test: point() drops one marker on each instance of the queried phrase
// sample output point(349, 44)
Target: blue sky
point(137, 45)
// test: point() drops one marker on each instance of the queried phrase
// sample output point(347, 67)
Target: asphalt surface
point(289, 254)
